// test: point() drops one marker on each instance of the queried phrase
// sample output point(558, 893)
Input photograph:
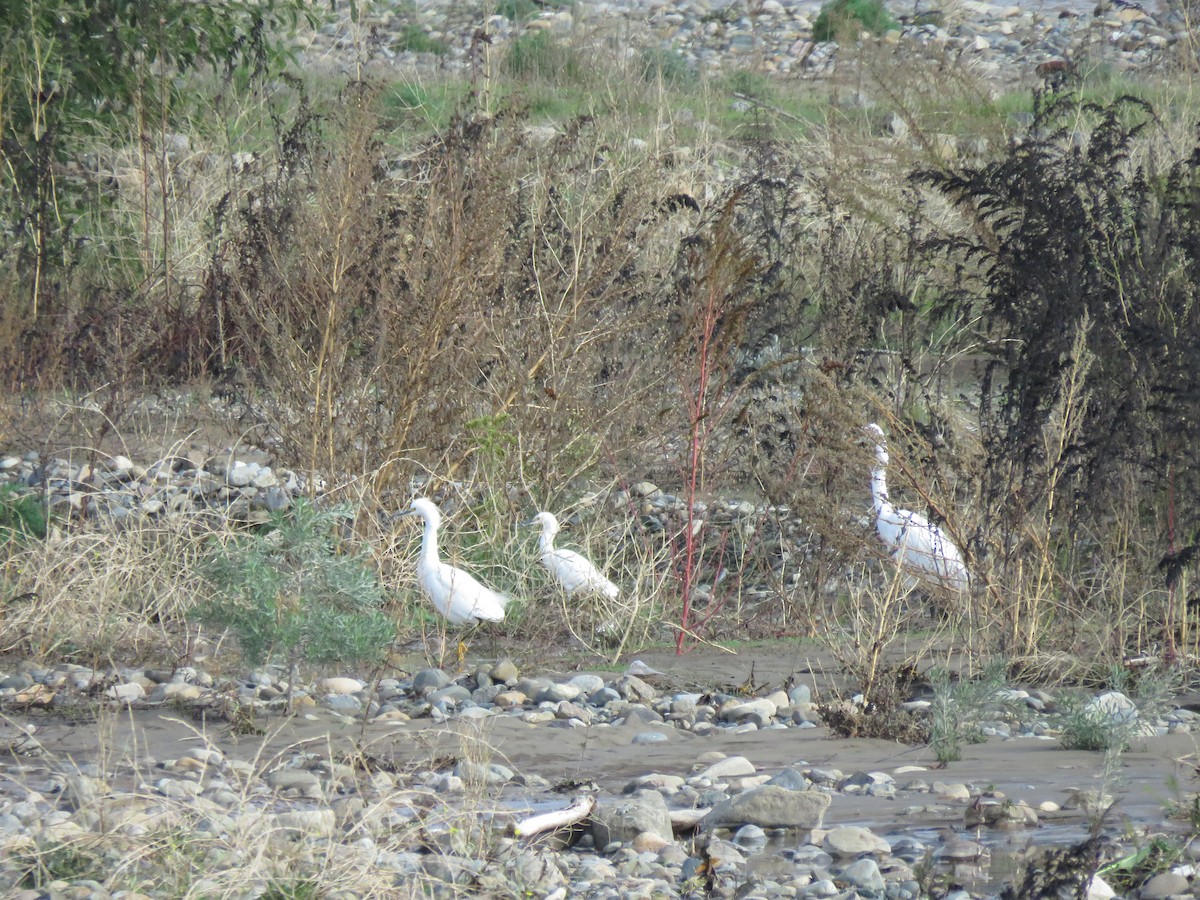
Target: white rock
point(180, 691)
point(852, 841)
point(298, 781)
point(727, 768)
point(341, 685)
point(209, 755)
point(1113, 707)
point(760, 707)
point(240, 474)
point(177, 789)
point(956, 791)
point(126, 693)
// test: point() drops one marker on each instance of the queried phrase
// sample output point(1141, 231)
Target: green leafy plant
point(295, 590)
point(1085, 729)
point(669, 66)
point(21, 515)
point(837, 16)
point(415, 39)
point(1133, 870)
point(75, 68)
point(957, 707)
point(59, 862)
point(1086, 726)
point(748, 83)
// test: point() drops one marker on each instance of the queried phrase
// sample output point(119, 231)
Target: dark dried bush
point(1080, 256)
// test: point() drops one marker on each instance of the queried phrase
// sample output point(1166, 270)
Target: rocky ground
point(1005, 43)
point(714, 774)
point(426, 778)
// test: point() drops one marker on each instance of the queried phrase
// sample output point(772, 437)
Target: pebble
point(629, 848)
point(422, 824)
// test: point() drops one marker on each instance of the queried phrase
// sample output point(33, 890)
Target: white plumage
point(455, 593)
point(918, 545)
point(574, 572)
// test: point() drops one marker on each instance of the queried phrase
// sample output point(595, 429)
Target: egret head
point(546, 521)
point(875, 433)
point(426, 510)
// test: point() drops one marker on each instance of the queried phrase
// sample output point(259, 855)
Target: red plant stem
point(1170, 617)
point(695, 461)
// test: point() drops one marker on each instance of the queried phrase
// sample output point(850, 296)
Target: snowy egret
point(574, 572)
point(457, 595)
point(915, 543)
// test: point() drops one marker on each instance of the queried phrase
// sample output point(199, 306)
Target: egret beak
point(527, 523)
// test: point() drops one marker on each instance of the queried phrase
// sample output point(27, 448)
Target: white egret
point(912, 540)
point(457, 595)
point(574, 572)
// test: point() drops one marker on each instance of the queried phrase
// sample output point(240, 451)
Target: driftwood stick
point(559, 818)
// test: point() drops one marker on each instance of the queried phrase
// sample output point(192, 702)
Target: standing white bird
point(915, 543)
point(574, 572)
point(457, 595)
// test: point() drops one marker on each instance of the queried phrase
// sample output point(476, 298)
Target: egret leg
point(464, 644)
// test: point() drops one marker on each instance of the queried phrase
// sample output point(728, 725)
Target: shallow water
point(1153, 773)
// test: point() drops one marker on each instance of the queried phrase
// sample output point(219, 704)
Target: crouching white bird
point(457, 595)
point(574, 572)
point(916, 544)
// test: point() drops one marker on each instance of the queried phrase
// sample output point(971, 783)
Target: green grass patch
point(838, 17)
point(421, 107)
point(666, 66)
point(21, 516)
point(60, 862)
point(538, 54)
point(415, 39)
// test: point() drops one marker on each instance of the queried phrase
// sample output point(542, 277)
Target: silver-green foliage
point(1086, 726)
point(957, 707)
point(295, 591)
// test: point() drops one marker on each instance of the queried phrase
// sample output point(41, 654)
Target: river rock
point(726, 768)
point(340, 685)
point(851, 841)
point(130, 692)
point(1164, 885)
point(770, 806)
point(624, 819)
point(428, 680)
point(864, 874)
point(1112, 707)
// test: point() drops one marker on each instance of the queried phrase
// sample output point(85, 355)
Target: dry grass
point(496, 314)
point(106, 595)
point(366, 830)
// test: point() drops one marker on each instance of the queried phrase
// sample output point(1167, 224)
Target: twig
point(559, 818)
point(767, 106)
point(697, 637)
